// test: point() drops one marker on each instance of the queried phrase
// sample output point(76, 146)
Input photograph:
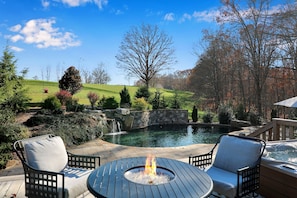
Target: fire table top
point(109, 181)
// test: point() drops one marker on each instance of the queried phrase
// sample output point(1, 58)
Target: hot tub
point(278, 176)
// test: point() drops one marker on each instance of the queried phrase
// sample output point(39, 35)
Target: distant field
point(37, 94)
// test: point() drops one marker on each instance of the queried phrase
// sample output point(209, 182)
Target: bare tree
point(48, 72)
point(286, 23)
point(144, 52)
point(87, 75)
point(253, 25)
point(99, 75)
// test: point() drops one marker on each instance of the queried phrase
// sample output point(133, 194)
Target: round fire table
point(186, 180)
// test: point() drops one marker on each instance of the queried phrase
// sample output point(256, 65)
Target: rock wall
point(142, 119)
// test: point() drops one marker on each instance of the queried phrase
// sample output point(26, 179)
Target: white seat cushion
point(75, 182)
point(224, 182)
point(47, 154)
point(235, 153)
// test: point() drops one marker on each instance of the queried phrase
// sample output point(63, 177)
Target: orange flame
point(150, 165)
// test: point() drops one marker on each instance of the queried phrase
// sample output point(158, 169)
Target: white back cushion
point(47, 154)
point(235, 153)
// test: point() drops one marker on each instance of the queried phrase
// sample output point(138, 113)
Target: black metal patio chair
point(50, 171)
point(235, 168)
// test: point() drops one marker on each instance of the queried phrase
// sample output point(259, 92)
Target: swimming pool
point(168, 136)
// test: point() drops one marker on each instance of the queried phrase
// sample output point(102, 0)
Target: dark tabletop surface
point(108, 180)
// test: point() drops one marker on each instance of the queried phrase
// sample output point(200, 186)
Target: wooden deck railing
point(277, 129)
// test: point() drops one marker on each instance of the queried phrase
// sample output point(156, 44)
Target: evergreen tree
point(12, 93)
point(125, 98)
point(71, 81)
point(195, 114)
point(142, 92)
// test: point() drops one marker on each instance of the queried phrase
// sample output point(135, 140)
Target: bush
point(64, 96)
point(143, 92)
point(140, 104)
point(51, 103)
point(93, 98)
point(125, 98)
point(156, 103)
point(175, 103)
point(72, 105)
point(273, 113)
point(254, 119)
point(110, 103)
point(9, 133)
point(240, 113)
point(6, 116)
point(195, 114)
point(225, 114)
point(207, 118)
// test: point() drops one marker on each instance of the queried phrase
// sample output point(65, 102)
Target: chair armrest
point(83, 161)
point(46, 182)
point(201, 161)
point(248, 179)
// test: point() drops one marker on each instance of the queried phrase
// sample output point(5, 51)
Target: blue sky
point(57, 34)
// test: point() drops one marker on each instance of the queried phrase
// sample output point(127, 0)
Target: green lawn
point(36, 92)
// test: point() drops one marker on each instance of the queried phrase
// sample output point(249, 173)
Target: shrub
point(110, 103)
point(240, 113)
point(51, 103)
point(194, 114)
point(254, 119)
point(101, 101)
point(72, 105)
point(64, 96)
point(273, 113)
point(93, 98)
point(156, 100)
point(175, 103)
point(6, 116)
point(9, 133)
point(207, 117)
point(143, 92)
point(225, 114)
point(125, 98)
point(140, 104)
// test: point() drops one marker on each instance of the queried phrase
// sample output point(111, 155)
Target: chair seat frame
point(248, 178)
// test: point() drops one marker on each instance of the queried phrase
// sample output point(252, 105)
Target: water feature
point(115, 127)
point(167, 136)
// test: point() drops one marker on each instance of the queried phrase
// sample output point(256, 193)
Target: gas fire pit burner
point(137, 175)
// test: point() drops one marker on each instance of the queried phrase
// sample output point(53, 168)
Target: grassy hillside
point(37, 94)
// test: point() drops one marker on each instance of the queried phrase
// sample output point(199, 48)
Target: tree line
point(251, 59)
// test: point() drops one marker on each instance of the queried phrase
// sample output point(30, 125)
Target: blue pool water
point(168, 136)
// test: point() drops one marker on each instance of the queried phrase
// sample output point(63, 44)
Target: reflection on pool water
point(168, 136)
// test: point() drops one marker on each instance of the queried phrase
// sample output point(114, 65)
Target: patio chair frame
point(248, 178)
point(39, 183)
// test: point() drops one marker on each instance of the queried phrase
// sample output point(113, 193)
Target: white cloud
point(75, 3)
point(15, 28)
point(42, 33)
point(208, 16)
point(185, 17)
point(17, 49)
point(45, 3)
point(16, 38)
point(169, 17)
